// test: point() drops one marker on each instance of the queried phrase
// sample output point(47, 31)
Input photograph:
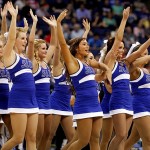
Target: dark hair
point(136, 48)
point(68, 80)
point(110, 43)
point(74, 44)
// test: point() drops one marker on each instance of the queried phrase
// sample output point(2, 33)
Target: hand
point(34, 17)
point(4, 11)
point(62, 15)
point(126, 13)
point(26, 27)
point(51, 21)
point(11, 9)
point(104, 50)
point(86, 24)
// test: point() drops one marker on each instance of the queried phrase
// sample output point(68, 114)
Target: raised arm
point(9, 54)
point(118, 38)
point(30, 51)
point(71, 62)
point(53, 42)
point(4, 21)
point(141, 61)
point(138, 53)
point(86, 25)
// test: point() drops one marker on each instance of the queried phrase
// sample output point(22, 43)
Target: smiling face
point(21, 41)
point(42, 51)
point(83, 48)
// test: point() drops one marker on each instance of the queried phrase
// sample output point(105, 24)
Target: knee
point(121, 136)
point(18, 139)
point(95, 139)
point(31, 138)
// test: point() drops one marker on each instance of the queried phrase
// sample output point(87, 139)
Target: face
point(42, 51)
point(90, 56)
point(1, 49)
point(121, 50)
point(83, 48)
point(21, 41)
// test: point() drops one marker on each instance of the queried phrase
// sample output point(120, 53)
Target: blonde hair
point(3, 40)
point(19, 30)
point(37, 44)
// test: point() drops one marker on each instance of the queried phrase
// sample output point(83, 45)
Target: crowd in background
point(104, 16)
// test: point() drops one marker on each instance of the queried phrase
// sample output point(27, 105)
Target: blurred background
point(104, 17)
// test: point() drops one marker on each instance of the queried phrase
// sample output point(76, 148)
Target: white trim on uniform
point(87, 78)
point(43, 80)
point(63, 113)
point(116, 64)
point(45, 111)
point(140, 77)
point(122, 76)
point(23, 110)
point(144, 86)
point(119, 111)
point(88, 115)
point(141, 114)
point(22, 72)
point(4, 111)
point(3, 81)
point(107, 116)
point(36, 73)
point(63, 83)
point(80, 69)
point(57, 77)
point(15, 63)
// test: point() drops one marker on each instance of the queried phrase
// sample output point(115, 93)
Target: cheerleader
point(87, 109)
point(140, 85)
point(40, 57)
point(22, 105)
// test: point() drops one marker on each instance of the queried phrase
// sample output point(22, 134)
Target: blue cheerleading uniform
point(42, 84)
point(60, 97)
point(141, 95)
point(86, 103)
point(22, 95)
point(105, 103)
point(121, 99)
point(4, 90)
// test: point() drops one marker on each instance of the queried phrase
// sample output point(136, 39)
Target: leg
point(66, 123)
point(46, 134)
point(75, 138)
point(133, 138)
point(143, 127)
point(54, 125)
point(7, 121)
point(31, 129)
point(95, 135)
point(128, 125)
point(18, 122)
point(40, 129)
point(107, 128)
point(84, 128)
point(119, 122)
